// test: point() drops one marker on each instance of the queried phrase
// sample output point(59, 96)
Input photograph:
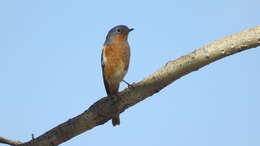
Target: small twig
point(32, 136)
point(9, 141)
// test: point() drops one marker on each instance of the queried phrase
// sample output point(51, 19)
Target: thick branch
point(102, 110)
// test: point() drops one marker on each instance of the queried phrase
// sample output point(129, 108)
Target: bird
point(115, 59)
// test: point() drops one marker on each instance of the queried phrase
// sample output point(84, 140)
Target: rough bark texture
point(102, 111)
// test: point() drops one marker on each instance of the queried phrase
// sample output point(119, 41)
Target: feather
point(103, 73)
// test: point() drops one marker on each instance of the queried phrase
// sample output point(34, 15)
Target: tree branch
point(9, 141)
point(102, 111)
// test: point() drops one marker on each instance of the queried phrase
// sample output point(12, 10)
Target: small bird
point(115, 61)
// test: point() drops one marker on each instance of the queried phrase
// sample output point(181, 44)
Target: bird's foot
point(114, 97)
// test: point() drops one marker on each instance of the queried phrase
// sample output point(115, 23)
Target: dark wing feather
point(103, 72)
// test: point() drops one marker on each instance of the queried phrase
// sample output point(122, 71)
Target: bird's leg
point(128, 84)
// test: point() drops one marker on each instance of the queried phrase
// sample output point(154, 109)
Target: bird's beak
point(131, 29)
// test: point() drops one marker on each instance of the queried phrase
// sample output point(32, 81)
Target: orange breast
point(116, 60)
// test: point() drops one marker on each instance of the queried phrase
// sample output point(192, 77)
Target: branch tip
point(9, 141)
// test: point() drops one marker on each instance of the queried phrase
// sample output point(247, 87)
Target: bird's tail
point(116, 120)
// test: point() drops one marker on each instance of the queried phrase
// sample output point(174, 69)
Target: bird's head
point(118, 34)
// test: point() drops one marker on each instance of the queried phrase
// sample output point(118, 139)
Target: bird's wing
point(103, 73)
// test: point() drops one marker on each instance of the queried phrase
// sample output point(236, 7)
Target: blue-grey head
point(118, 34)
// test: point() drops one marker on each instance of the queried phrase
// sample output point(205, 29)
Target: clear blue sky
point(50, 71)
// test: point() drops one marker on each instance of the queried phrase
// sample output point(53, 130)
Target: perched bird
point(115, 61)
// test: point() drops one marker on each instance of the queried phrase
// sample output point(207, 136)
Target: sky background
point(50, 71)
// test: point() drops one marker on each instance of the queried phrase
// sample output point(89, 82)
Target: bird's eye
point(118, 30)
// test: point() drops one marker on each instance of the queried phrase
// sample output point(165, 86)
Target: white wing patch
point(104, 59)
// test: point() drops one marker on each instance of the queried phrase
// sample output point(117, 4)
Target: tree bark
point(102, 111)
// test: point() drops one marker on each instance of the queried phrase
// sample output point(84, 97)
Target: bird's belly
point(119, 72)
